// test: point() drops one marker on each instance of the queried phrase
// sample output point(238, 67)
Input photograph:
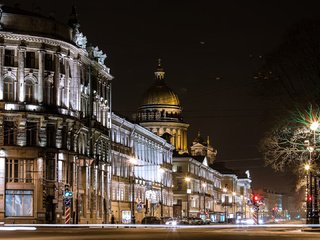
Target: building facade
point(196, 187)
point(55, 120)
point(141, 173)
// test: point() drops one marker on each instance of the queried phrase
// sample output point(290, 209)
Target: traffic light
point(309, 198)
point(255, 199)
point(67, 193)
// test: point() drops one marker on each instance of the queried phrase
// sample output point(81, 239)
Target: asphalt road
point(156, 233)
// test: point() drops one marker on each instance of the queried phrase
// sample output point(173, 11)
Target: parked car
point(196, 221)
point(151, 220)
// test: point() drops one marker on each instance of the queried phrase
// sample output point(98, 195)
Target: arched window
point(48, 92)
point(8, 89)
point(29, 93)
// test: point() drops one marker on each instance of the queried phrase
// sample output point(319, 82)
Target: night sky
point(210, 51)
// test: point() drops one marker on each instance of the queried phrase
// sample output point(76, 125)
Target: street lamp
point(187, 179)
point(133, 162)
point(225, 190)
point(204, 185)
point(162, 171)
point(308, 193)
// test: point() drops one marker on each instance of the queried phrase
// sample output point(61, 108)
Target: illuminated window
point(8, 89)
point(19, 203)
point(19, 170)
point(29, 91)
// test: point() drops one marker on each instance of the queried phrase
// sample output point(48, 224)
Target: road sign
point(67, 202)
point(139, 206)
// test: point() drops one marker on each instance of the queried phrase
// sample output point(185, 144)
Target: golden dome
point(160, 93)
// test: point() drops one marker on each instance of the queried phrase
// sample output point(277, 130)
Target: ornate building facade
point(55, 120)
point(141, 173)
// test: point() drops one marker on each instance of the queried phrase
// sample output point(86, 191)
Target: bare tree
point(292, 144)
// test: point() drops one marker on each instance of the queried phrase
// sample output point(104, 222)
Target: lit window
point(28, 91)
point(19, 203)
point(19, 170)
point(8, 89)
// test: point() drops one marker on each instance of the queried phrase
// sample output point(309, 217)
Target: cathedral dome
point(160, 93)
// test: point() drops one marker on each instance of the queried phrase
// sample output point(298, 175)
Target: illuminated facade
point(55, 120)
point(161, 113)
point(197, 187)
point(149, 174)
point(200, 147)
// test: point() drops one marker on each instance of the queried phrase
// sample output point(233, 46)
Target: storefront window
point(19, 203)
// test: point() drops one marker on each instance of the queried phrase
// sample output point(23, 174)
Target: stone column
point(1, 70)
point(20, 87)
point(66, 97)
point(40, 76)
point(56, 84)
point(179, 143)
point(185, 140)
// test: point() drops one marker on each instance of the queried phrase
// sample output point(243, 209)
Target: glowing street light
point(314, 125)
point(307, 167)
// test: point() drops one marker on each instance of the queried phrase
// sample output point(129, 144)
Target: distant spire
point(208, 140)
point(159, 73)
point(198, 133)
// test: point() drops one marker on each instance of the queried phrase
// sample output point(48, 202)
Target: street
point(162, 233)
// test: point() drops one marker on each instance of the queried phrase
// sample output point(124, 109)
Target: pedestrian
point(112, 219)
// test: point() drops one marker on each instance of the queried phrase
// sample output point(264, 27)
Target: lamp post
point(204, 185)
point(315, 213)
point(187, 179)
point(225, 190)
point(132, 162)
point(308, 193)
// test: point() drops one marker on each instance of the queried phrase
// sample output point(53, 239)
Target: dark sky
point(210, 52)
